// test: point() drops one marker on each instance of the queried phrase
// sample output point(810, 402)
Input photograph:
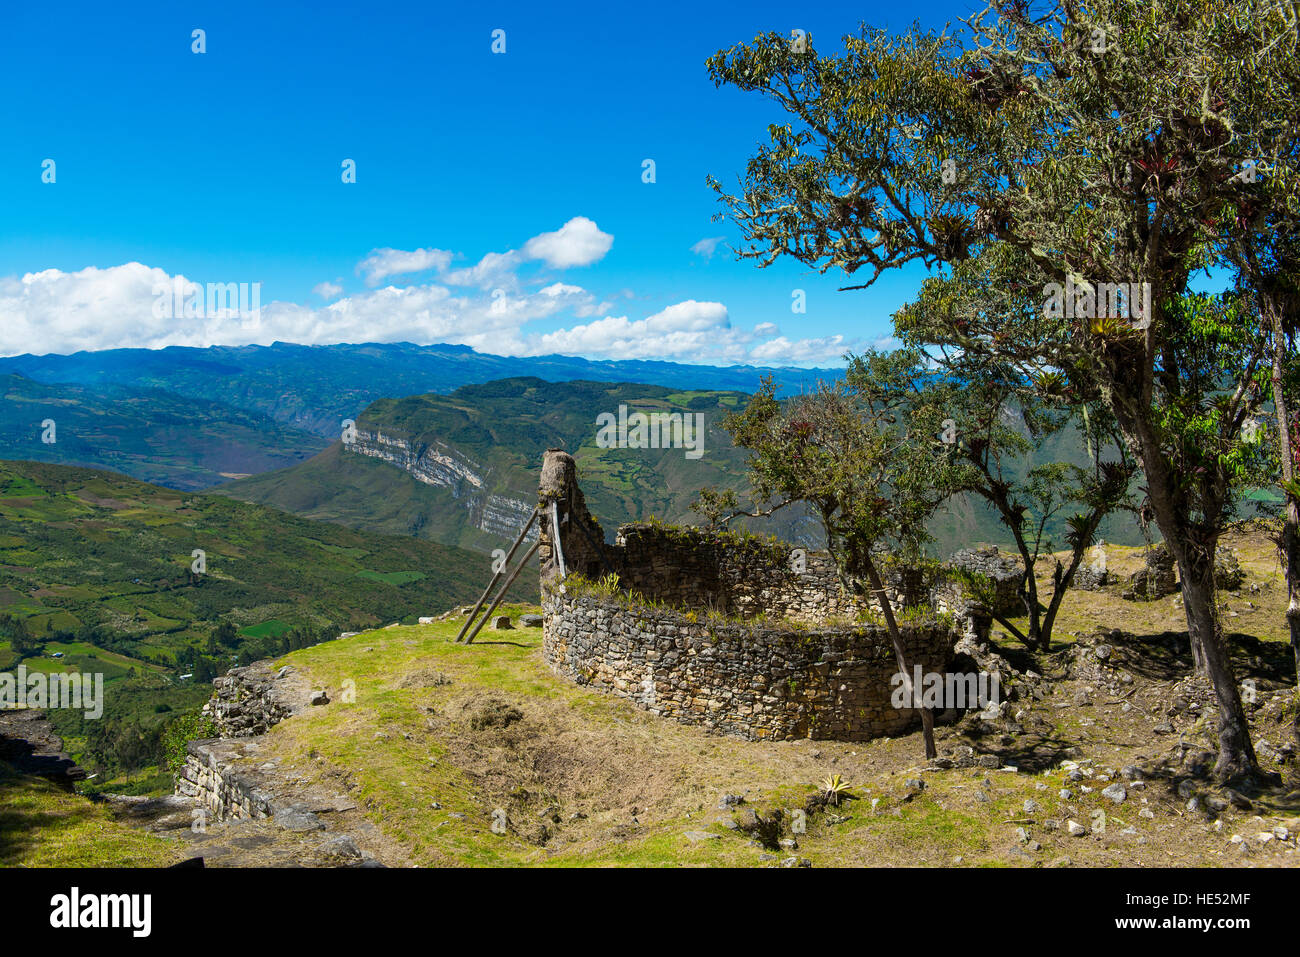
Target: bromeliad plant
point(835, 789)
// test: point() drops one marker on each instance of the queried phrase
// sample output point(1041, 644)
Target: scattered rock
point(696, 836)
point(763, 828)
point(319, 698)
point(1076, 829)
point(297, 817)
point(1115, 792)
point(341, 848)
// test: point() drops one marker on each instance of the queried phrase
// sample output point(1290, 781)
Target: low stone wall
point(758, 683)
point(211, 777)
point(250, 700)
point(703, 571)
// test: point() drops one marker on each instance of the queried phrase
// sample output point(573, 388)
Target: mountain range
point(315, 387)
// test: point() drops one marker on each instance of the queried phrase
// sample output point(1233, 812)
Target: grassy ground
point(433, 741)
point(44, 826)
point(588, 779)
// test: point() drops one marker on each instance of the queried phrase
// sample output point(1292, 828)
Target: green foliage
point(859, 453)
point(111, 557)
point(179, 732)
point(714, 504)
point(21, 642)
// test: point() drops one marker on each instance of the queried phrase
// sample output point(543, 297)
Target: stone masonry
point(758, 638)
point(760, 683)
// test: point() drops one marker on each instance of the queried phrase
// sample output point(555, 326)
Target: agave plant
point(836, 789)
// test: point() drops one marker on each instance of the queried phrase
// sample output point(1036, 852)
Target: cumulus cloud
point(579, 242)
point(118, 307)
point(382, 263)
point(707, 247)
point(784, 351)
point(328, 290)
point(687, 331)
point(493, 270)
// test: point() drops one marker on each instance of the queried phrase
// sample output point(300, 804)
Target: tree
point(21, 641)
point(225, 634)
point(995, 419)
point(866, 460)
point(1096, 149)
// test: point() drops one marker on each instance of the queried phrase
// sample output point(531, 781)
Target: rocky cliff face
point(441, 465)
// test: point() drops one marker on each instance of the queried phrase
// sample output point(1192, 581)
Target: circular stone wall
point(736, 677)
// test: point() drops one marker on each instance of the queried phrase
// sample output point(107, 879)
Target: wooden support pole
point(496, 576)
point(505, 588)
point(555, 539)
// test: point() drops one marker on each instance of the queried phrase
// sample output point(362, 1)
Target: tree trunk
point(1290, 541)
point(1029, 598)
point(927, 718)
point(1195, 557)
point(1196, 569)
point(1291, 555)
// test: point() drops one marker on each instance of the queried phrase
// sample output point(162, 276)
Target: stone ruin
point(738, 634)
point(1158, 576)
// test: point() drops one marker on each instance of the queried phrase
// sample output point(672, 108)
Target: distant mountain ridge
point(464, 467)
point(315, 387)
point(156, 436)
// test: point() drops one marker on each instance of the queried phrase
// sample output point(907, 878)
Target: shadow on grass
point(22, 825)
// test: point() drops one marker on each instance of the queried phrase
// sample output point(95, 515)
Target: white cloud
point(114, 307)
point(328, 290)
point(493, 270)
point(707, 247)
point(382, 263)
point(579, 242)
point(782, 351)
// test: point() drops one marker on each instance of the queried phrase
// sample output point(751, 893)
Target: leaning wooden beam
point(555, 539)
point(496, 576)
point(505, 588)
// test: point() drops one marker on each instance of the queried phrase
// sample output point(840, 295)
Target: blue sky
point(225, 167)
